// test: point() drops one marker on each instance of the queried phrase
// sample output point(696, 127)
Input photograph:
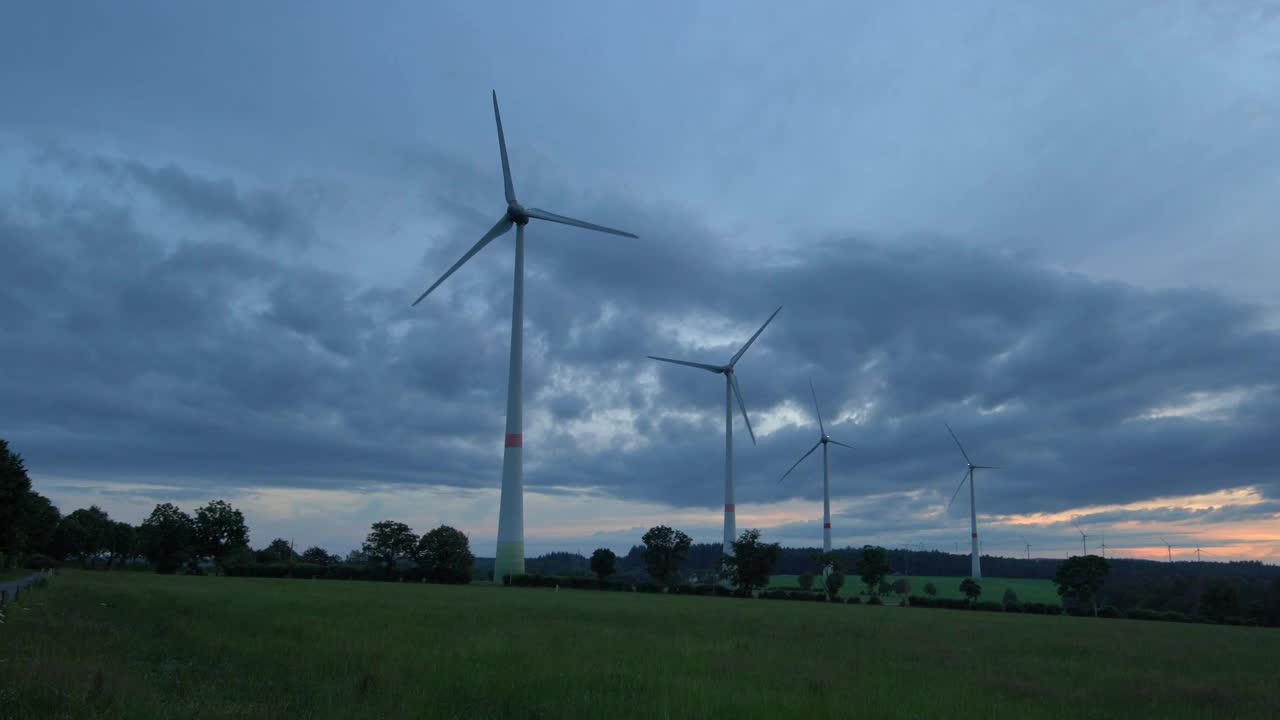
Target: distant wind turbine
point(1024, 539)
point(824, 440)
point(975, 565)
point(730, 392)
point(510, 552)
point(1104, 545)
point(1084, 548)
point(1169, 547)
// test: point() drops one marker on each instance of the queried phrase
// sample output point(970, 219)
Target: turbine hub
point(517, 214)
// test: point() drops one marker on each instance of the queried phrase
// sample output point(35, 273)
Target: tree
point(971, 589)
point(70, 538)
point(444, 554)
point(278, 550)
point(166, 537)
point(318, 556)
point(219, 529)
point(1080, 578)
point(37, 525)
point(95, 537)
point(603, 563)
point(1010, 597)
point(663, 550)
point(901, 586)
point(828, 561)
point(122, 542)
point(390, 541)
point(835, 581)
point(873, 566)
point(751, 563)
point(14, 486)
point(930, 589)
point(806, 581)
point(1220, 599)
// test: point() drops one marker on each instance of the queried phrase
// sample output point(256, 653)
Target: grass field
point(131, 645)
point(1041, 591)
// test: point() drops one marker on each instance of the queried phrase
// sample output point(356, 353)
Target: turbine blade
point(733, 380)
point(816, 409)
point(957, 492)
point(986, 467)
point(837, 442)
point(502, 146)
point(753, 337)
point(498, 228)
point(704, 366)
point(962, 452)
point(802, 457)
point(544, 215)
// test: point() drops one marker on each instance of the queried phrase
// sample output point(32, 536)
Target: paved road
point(10, 587)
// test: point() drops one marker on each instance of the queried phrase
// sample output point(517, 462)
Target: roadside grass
point(131, 645)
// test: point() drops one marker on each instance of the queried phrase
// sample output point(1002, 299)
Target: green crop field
point(132, 645)
point(1041, 591)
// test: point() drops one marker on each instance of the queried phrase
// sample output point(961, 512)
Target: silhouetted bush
point(1109, 611)
point(875, 600)
point(38, 562)
point(855, 600)
point(988, 606)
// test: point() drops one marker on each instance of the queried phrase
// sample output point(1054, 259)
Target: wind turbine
point(1170, 548)
point(824, 440)
point(1104, 545)
point(730, 392)
point(1084, 548)
point(510, 552)
point(975, 565)
point(1024, 539)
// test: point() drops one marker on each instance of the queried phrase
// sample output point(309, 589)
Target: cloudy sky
point(1048, 224)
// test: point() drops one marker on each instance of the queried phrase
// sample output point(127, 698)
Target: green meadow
point(1041, 591)
point(134, 645)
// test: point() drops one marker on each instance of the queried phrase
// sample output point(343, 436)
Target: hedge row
point(313, 571)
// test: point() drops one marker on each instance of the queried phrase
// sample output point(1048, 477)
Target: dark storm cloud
point(268, 213)
point(211, 363)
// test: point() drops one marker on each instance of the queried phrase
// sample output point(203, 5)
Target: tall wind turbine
point(510, 552)
point(730, 391)
point(975, 566)
point(1024, 539)
point(1084, 548)
point(1170, 548)
point(824, 440)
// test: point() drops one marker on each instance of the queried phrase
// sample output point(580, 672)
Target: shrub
point(1174, 616)
point(930, 589)
point(855, 600)
point(918, 601)
point(806, 581)
point(875, 600)
point(38, 562)
point(988, 606)
point(1142, 614)
point(1109, 611)
point(1010, 597)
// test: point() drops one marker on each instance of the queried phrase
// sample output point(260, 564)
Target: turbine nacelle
point(516, 214)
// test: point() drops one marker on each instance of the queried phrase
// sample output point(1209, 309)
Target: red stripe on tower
point(728, 507)
point(515, 440)
point(975, 536)
point(826, 526)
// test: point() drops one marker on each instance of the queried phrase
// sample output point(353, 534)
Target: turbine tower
point(824, 440)
point(510, 551)
point(1084, 547)
point(1028, 544)
point(975, 565)
point(1169, 547)
point(730, 392)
